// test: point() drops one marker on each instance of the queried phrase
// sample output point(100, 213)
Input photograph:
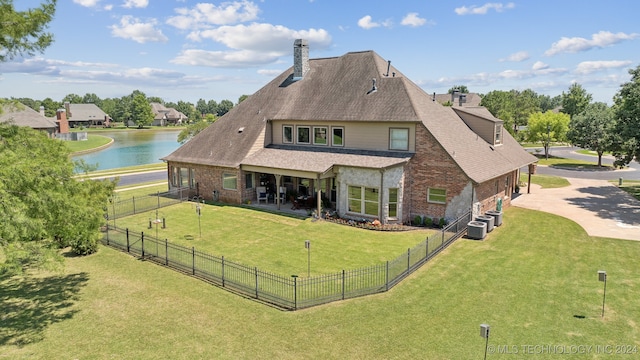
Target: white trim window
point(192, 178)
point(287, 134)
point(393, 203)
point(320, 135)
point(304, 134)
point(363, 200)
point(437, 196)
point(230, 181)
point(399, 139)
point(337, 138)
point(498, 134)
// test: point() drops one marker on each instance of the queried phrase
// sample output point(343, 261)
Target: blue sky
point(187, 50)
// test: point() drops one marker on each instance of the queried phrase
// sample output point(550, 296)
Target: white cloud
point(539, 65)
point(86, 3)
point(265, 37)
point(108, 7)
point(138, 31)
point(588, 67)
point(226, 59)
point(517, 57)
point(135, 3)
point(578, 44)
point(205, 15)
point(412, 19)
point(366, 23)
point(482, 10)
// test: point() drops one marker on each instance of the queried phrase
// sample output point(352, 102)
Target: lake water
point(133, 147)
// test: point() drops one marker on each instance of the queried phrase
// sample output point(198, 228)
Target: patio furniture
point(295, 205)
point(283, 194)
point(261, 192)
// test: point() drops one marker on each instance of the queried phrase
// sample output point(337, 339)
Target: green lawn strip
point(93, 141)
point(127, 170)
point(546, 181)
point(570, 163)
point(141, 189)
point(533, 280)
point(630, 186)
point(274, 243)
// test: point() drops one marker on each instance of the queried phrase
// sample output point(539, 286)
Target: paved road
point(631, 173)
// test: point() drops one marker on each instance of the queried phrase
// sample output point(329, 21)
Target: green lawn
point(534, 280)
point(275, 243)
point(546, 181)
point(93, 141)
point(632, 187)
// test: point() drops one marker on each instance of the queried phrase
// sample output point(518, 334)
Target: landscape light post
point(548, 141)
point(602, 276)
point(484, 332)
point(199, 212)
point(307, 245)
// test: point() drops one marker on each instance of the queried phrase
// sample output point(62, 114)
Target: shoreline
point(101, 147)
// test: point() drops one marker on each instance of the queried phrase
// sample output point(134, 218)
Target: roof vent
point(374, 88)
point(241, 130)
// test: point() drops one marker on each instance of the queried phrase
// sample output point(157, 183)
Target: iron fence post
point(408, 259)
point(343, 279)
point(128, 247)
point(256, 272)
point(193, 260)
point(387, 277)
point(107, 232)
point(142, 240)
point(166, 252)
point(426, 245)
point(133, 199)
point(223, 271)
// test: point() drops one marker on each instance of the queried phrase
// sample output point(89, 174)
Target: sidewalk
point(597, 205)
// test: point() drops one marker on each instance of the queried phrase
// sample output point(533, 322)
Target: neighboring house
point(23, 115)
point(457, 99)
point(377, 149)
point(86, 115)
point(163, 116)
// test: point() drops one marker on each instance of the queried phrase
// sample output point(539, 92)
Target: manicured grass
point(590, 152)
point(93, 141)
point(546, 181)
point(534, 280)
point(274, 243)
point(632, 187)
point(569, 163)
point(128, 170)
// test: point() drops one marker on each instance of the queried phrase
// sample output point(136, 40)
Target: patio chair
point(283, 195)
point(261, 193)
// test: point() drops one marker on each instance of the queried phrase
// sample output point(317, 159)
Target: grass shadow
point(31, 304)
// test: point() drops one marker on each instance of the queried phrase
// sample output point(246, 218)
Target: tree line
point(135, 106)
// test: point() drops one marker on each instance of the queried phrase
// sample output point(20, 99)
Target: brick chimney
point(300, 58)
point(42, 110)
point(67, 108)
point(63, 124)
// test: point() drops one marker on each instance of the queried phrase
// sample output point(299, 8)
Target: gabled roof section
point(81, 112)
point(23, 115)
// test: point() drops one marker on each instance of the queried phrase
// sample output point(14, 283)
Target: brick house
point(353, 131)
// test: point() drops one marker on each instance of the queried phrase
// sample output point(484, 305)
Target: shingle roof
point(83, 112)
point(22, 115)
point(335, 89)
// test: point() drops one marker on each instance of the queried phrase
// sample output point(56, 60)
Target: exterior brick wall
point(431, 167)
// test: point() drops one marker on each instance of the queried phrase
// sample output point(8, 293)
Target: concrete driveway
point(597, 205)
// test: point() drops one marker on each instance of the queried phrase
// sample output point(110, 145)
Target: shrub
point(417, 220)
point(442, 222)
point(428, 222)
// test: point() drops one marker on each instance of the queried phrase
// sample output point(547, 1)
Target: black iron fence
point(118, 208)
point(287, 292)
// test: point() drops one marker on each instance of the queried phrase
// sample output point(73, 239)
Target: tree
point(549, 103)
point(202, 108)
point(576, 100)
point(23, 32)
point(593, 129)
point(194, 128)
point(73, 99)
point(50, 107)
point(141, 112)
point(242, 98)
point(42, 205)
point(627, 114)
point(514, 107)
point(224, 106)
point(546, 128)
point(461, 88)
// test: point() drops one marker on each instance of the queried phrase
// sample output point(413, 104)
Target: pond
point(133, 147)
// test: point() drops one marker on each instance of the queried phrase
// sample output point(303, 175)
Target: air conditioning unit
point(497, 216)
point(476, 230)
point(488, 219)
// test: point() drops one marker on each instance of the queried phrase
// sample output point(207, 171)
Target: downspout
point(381, 212)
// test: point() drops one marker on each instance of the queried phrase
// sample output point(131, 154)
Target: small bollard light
point(484, 332)
point(602, 276)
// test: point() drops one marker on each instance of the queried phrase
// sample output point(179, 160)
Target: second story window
point(338, 136)
point(303, 135)
point(320, 136)
point(287, 134)
point(498, 134)
point(398, 139)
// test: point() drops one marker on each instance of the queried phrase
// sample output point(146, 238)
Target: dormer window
point(498, 139)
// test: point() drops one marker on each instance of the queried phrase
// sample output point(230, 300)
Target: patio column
point(278, 179)
point(318, 196)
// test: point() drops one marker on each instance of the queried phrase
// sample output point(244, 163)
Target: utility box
point(488, 219)
point(215, 196)
point(497, 216)
point(476, 230)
